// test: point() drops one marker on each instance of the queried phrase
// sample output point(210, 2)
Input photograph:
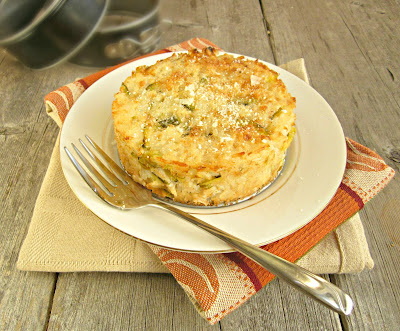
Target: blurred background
point(92, 33)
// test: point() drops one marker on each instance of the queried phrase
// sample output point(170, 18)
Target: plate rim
point(161, 56)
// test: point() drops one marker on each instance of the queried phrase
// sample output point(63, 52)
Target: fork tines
point(110, 181)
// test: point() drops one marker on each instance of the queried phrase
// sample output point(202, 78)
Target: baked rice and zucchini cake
point(203, 128)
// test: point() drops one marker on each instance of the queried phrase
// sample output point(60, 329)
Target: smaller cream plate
point(313, 170)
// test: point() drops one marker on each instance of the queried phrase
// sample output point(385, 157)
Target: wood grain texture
point(122, 301)
point(27, 138)
point(219, 22)
point(235, 26)
point(280, 307)
point(351, 51)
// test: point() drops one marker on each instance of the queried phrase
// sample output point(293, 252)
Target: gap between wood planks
point(268, 31)
point(51, 301)
point(368, 59)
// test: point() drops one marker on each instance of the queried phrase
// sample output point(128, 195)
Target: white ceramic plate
point(312, 173)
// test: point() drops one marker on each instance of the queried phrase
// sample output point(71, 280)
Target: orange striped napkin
point(219, 283)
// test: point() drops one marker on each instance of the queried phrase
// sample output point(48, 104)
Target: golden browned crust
point(203, 128)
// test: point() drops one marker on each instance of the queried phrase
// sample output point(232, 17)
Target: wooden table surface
point(351, 49)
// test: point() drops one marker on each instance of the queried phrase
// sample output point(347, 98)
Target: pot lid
point(19, 18)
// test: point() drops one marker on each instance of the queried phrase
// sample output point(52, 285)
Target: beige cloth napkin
point(64, 236)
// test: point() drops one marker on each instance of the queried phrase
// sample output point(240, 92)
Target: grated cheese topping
point(199, 117)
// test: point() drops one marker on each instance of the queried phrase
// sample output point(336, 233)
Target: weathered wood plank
point(351, 52)
point(122, 301)
point(27, 137)
point(376, 292)
point(21, 292)
point(280, 307)
point(235, 26)
point(22, 142)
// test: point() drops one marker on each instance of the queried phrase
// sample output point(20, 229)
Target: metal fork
point(122, 192)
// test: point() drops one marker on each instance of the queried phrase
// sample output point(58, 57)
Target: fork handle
point(300, 278)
